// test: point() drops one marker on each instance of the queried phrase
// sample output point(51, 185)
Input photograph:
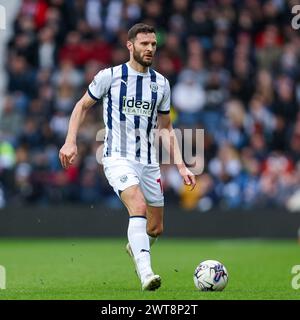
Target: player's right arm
point(68, 151)
point(97, 89)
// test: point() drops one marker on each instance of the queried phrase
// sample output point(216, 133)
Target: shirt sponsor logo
point(137, 107)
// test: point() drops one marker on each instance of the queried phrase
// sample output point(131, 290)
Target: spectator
point(10, 121)
point(47, 48)
point(21, 78)
point(188, 99)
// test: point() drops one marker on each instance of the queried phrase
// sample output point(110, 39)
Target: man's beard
point(138, 59)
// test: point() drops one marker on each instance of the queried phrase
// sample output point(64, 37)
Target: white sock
point(137, 235)
point(140, 245)
point(143, 263)
point(152, 240)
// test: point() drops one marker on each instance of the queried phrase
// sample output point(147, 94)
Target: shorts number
point(160, 184)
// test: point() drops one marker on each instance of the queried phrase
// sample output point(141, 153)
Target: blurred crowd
point(234, 71)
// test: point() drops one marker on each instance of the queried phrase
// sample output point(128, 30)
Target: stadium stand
point(238, 60)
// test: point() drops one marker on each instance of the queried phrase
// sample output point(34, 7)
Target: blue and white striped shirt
point(131, 101)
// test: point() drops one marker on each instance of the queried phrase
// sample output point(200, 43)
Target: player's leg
point(123, 176)
point(154, 222)
point(134, 201)
point(139, 245)
point(151, 186)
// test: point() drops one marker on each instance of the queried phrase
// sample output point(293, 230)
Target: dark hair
point(139, 28)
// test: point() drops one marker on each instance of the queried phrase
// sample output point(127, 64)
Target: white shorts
point(122, 173)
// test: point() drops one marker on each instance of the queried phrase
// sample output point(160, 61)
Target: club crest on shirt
point(153, 86)
point(123, 179)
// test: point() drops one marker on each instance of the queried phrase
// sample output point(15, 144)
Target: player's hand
point(188, 177)
point(67, 154)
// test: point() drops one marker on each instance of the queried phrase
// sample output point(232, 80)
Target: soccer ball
point(210, 275)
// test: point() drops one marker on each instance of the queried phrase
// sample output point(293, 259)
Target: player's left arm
point(170, 143)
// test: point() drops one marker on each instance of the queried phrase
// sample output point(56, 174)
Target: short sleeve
point(100, 84)
point(164, 106)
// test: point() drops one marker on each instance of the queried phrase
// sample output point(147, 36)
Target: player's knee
point(135, 203)
point(138, 205)
point(140, 208)
point(155, 231)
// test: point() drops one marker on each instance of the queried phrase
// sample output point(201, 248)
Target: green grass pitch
point(100, 269)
